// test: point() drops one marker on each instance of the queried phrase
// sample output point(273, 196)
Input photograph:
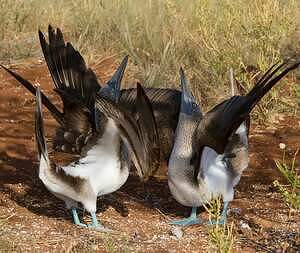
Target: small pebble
point(244, 225)
point(278, 250)
point(282, 145)
point(177, 232)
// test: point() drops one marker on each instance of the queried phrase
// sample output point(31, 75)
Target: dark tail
point(29, 86)
point(225, 118)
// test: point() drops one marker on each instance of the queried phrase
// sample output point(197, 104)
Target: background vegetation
point(207, 37)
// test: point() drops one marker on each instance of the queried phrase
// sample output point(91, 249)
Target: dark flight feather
point(74, 82)
point(138, 131)
point(220, 122)
point(29, 86)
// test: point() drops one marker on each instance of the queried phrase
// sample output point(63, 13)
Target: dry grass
point(291, 191)
point(206, 37)
point(5, 245)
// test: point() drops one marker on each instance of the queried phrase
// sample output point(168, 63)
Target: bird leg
point(95, 223)
point(223, 217)
point(76, 218)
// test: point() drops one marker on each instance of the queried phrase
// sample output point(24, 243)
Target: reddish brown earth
point(33, 220)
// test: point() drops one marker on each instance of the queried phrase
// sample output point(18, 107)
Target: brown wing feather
point(138, 131)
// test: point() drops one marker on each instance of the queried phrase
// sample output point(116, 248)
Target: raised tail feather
point(248, 102)
point(237, 89)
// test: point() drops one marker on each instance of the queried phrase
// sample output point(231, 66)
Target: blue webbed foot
point(192, 220)
point(97, 225)
point(186, 222)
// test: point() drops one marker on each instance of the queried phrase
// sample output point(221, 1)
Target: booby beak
point(188, 103)
point(112, 88)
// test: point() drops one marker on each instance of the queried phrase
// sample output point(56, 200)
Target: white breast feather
point(101, 165)
point(215, 172)
point(215, 175)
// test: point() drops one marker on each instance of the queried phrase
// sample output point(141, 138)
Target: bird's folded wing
point(138, 130)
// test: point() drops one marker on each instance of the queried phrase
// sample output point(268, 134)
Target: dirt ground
point(33, 220)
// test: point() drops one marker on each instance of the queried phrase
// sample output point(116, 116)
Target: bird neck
point(185, 130)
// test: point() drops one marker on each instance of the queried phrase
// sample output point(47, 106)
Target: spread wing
point(77, 86)
point(219, 123)
point(73, 81)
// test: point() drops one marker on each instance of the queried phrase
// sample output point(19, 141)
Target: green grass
point(207, 37)
point(221, 238)
point(290, 172)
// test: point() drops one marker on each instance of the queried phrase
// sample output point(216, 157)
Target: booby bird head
point(188, 103)
point(112, 88)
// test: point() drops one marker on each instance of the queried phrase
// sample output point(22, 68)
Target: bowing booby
point(105, 167)
point(77, 86)
point(211, 151)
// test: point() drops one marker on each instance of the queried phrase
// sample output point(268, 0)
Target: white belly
point(101, 166)
point(217, 181)
point(108, 176)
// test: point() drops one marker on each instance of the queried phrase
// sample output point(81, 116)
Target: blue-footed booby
point(211, 151)
point(105, 167)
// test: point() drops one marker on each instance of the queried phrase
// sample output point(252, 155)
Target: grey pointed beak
point(114, 84)
point(187, 99)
